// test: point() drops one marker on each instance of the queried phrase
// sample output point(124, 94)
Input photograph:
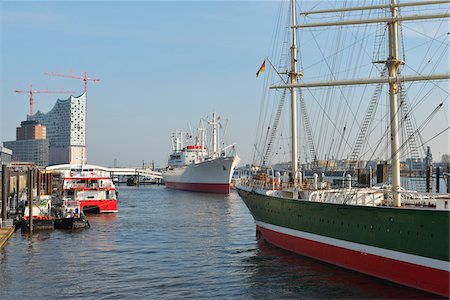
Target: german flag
point(261, 69)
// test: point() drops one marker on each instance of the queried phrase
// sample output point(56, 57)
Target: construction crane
point(84, 77)
point(31, 92)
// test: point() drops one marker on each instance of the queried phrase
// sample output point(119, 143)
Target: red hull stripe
point(222, 188)
point(417, 276)
point(105, 206)
point(408, 258)
point(90, 189)
point(86, 178)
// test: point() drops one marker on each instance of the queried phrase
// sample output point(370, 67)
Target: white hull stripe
point(390, 254)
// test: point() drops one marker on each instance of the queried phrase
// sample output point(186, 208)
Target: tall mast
point(214, 135)
point(293, 80)
point(393, 62)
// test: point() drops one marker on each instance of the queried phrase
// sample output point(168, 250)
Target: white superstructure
point(197, 167)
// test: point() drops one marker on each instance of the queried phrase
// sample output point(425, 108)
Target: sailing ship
point(387, 231)
point(197, 167)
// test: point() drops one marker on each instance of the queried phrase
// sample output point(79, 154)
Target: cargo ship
point(196, 167)
point(397, 234)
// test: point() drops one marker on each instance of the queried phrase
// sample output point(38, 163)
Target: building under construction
point(66, 130)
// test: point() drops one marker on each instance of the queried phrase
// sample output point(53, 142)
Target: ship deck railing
point(375, 196)
point(91, 186)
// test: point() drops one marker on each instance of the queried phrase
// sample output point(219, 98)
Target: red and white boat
point(196, 167)
point(91, 185)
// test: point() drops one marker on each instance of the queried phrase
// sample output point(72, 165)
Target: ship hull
point(99, 206)
point(212, 176)
point(221, 188)
point(406, 246)
point(71, 223)
point(37, 225)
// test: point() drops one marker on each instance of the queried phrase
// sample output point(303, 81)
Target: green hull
point(402, 245)
point(419, 232)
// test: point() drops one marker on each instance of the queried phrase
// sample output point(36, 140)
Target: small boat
point(91, 185)
point(68, 215)
point(41, 213)
point(196, 167)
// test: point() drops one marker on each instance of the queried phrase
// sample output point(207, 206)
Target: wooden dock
point(5, 234)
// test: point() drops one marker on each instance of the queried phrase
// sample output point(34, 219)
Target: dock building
point(66, 130)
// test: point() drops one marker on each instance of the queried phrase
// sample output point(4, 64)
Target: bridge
point(112, 171)
point(134, 172)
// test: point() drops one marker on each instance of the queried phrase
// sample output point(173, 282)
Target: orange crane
point(84, 77)
point(31, 92)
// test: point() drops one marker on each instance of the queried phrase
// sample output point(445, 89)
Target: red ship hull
point(100, 206)
point(416, 276)
point(220, 188)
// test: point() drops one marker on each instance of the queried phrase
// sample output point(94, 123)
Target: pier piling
point(429, 179)
point(4, 214)
point(30, 199)
point(446, 176)
point(438, 179)
point(37, 179)
point(17, 196)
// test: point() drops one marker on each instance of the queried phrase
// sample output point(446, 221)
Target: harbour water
point(168, 244)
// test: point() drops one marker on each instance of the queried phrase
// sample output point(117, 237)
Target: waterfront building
point(31, 151)
point(31, 144)
point(31, 130)
point(66, 130)
point(5, 155)
point(415, 164)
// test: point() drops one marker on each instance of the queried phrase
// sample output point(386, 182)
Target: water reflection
point(281, 274)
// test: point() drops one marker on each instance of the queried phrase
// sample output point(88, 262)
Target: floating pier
point(5, 234)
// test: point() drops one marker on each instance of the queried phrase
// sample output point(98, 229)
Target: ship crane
point(31, 92)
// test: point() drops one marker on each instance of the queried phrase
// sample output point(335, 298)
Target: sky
point(162, 65)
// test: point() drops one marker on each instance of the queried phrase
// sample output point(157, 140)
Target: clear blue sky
point(162, 65)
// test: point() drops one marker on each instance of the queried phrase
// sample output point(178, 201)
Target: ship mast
point(293, 80)
point(214, 123)
point(393, 64)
